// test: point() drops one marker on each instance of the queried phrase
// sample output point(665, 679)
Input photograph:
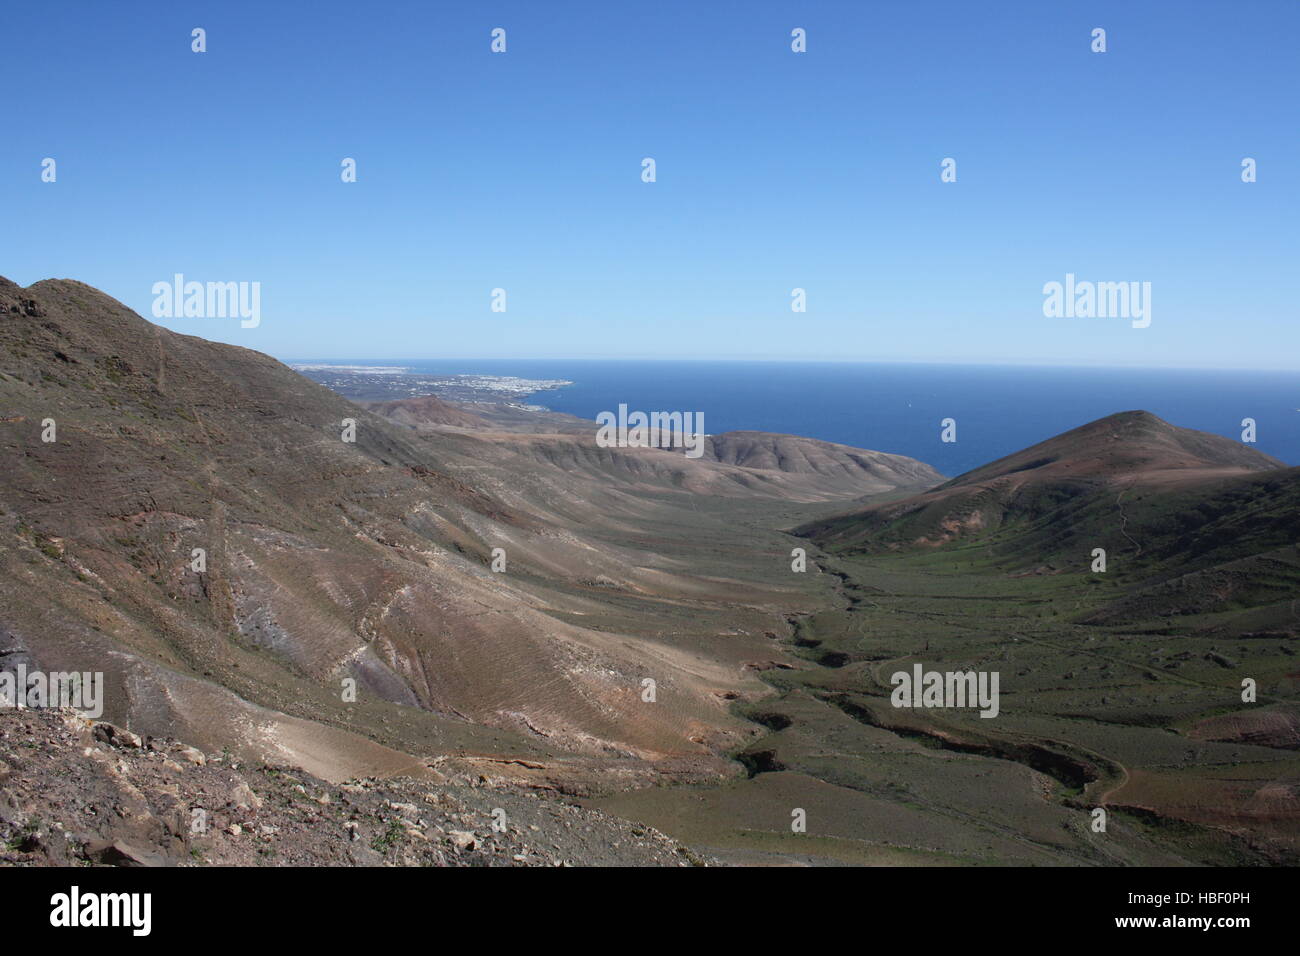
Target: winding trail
point(1123, 519)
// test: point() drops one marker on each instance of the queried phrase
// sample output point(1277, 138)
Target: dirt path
point(1123, 520)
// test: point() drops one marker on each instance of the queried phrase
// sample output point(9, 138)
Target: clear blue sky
point(775, 170)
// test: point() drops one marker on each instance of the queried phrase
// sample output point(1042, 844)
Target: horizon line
point(789, 361)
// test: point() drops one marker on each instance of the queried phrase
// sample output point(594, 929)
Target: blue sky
point(775, 170)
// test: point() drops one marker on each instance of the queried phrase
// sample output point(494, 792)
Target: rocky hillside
point(83, 793)
point(238, 549)
point(427, 410)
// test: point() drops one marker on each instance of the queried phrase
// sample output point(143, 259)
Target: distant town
point(386, 382)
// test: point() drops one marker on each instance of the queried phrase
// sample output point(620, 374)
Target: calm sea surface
point(898, 408)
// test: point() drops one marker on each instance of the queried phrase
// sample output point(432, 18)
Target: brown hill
point(1122, 446)
point(744, 463)
point(328, 560)
point(789, 453)
point(1059, 480)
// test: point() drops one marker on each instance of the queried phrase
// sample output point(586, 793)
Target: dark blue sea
point(898, 408)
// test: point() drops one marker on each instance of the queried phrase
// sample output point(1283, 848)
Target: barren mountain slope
point(426, 410)
point(1069, 482)
point(176, 806)
point(325, 559)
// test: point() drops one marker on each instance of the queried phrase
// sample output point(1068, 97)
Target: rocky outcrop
point(82, 793)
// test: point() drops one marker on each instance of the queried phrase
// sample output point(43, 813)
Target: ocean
point(899, 407)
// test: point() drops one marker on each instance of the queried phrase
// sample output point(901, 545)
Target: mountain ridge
point(371, 560)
